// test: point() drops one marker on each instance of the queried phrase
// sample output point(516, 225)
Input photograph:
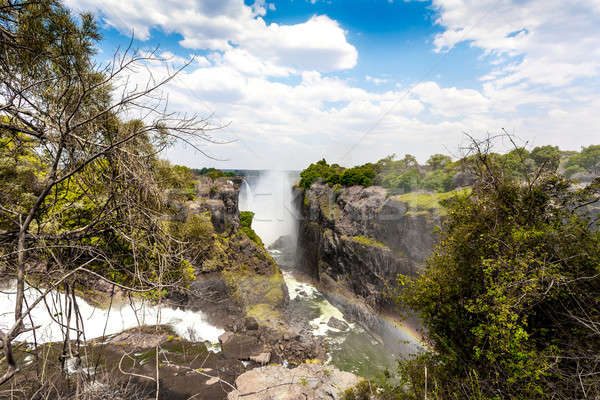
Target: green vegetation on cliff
point(246, 218)
point(369, 242)
point(426, 202)
point(510, 297)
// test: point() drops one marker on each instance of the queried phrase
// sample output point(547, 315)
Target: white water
point(270, 198)
point(187, 324)
point(310, 293)
point(246, 197)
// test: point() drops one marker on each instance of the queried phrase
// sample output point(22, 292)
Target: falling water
point(98, 322)
point(246, 197)
point(270, 198)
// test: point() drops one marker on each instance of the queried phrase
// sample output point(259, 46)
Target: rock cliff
point(235, 276)
point(355, 241)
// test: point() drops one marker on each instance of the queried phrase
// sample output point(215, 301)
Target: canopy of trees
point(441, 174)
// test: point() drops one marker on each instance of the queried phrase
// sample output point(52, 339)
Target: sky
point(288, 82)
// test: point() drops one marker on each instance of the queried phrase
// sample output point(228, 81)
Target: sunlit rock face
point(360, 239)
point(307, 381)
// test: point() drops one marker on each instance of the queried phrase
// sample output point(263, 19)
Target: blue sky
point(292, 81)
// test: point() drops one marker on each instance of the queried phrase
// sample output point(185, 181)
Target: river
point(354, 350)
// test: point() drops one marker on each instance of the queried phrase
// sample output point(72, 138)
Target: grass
point(425, 202)
point(369, 242)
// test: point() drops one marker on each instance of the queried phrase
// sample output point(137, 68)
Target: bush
point(518, 294)
point(246, 218)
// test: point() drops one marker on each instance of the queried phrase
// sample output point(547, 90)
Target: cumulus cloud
point(319, 43)
point(556, 39)
point(272, 86)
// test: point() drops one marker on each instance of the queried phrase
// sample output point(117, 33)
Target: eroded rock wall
point(359, 239)
point(234, 275)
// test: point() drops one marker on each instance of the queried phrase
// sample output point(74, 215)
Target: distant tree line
point(441, 174)
point(213, 172)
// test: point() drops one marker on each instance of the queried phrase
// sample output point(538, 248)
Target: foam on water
point(326, 309)
point(97, 321)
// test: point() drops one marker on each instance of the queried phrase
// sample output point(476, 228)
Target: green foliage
point(507, 298)
point(177, 177)
point(246, 218)
point(546, 156)
point(587, 160)
point(196, 233)
point(330, 174)
point(369, 241)
point(418, 202)
point(439, 161)
point(20, 173)
point(214, 173)
point(406, 175)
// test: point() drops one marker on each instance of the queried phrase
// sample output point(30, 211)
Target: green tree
point(509, 298)
point(588, 159)
point(438, 161)
point(546, 156)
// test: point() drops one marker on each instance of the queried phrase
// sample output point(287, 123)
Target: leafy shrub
point(246, 218)
point(518, 295)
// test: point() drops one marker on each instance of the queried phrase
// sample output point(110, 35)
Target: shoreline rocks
point(307, 381)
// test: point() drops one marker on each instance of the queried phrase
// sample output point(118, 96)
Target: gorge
point(251, 306)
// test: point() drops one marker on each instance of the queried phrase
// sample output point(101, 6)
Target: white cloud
point(377, 81)
point(557, 39)
point(319, 43)
point(270, 83)
point(451, 102)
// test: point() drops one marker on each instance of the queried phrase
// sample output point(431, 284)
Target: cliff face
point(359, 239)
point(234, 275)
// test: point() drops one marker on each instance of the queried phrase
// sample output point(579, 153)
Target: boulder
point(251, 323)
point(262, 358)
point(337, 324)
point(225, 337)
point(240, 346)
point(307, 381)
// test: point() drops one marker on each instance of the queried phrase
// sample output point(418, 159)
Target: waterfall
point(270, 198)
point(186, 323)
point(246, 197)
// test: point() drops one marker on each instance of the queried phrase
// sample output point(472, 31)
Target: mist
point(270, 197)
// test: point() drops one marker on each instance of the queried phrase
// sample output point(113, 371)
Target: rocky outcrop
point(356, 241)
point(235, 276)
point(307, 381)
point(219, 198)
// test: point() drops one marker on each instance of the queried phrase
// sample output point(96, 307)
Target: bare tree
point(87, 175)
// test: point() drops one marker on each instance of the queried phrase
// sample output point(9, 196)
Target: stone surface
point(361, 238)
point(225, 337)
point(240, 346)
point(337, 324)
point(251, 323)
point(139, 339)
point(307, 382)
point(262, 358)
